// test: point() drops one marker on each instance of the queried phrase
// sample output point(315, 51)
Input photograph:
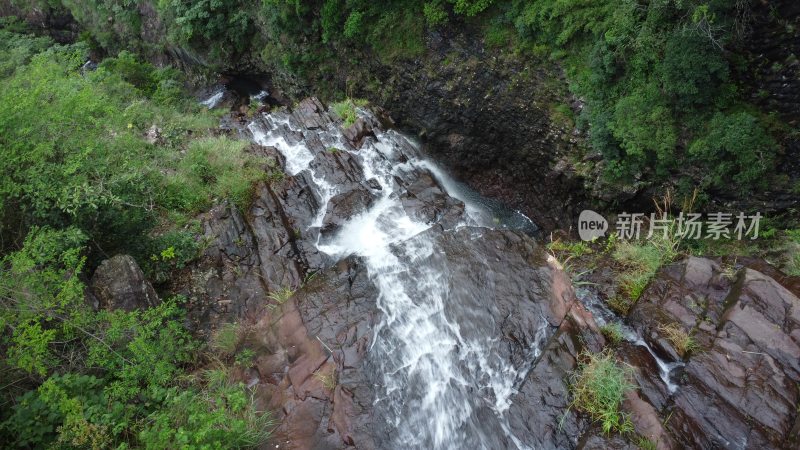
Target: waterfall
point(440, 384)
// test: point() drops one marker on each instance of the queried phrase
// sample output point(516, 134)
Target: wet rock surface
point(358, 132)
point(119, 283)
point(739, 387)
point(310, 371)
point(425, 200)
point(342, 207)
point(313, 366)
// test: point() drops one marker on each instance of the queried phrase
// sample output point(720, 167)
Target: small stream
point(603, 315)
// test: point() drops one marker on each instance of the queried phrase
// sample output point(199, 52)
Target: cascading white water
point(437, 371)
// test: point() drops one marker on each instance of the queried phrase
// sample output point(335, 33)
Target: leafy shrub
point(122, 31)
point(42, 281)
point(352, 26)
point(656, 76)
point(736, 147)
point(331, 14)
point(434, 13)
point(163, 85)
point(16, 50)
point(391, 44)
point(92, 169)
point(644, 129)
point(218, 25)
point(170, 251)
point(470, 7)
point(116, 381)
point(693, 70)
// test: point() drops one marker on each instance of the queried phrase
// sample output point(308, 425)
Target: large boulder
point(119, 283)
point(358, 132)
point(425, 200)
point(342, 207)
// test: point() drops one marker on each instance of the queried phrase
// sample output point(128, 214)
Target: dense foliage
point(657, 80)
point(93, 163)
point(659, 77)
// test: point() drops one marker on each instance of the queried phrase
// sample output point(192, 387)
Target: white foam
point(213, 100)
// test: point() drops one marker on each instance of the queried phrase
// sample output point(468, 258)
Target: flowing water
point(440, 383)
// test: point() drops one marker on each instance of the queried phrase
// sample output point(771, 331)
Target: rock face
point(226, 282)
point(314, 367)
point(315, 380)
point(316, 370)
point(119, 283)
point(425, 200)
point(344, 206)
point(739, 388)
point(357, 132)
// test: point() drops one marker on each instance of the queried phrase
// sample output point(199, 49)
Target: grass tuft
point(327, 377)
point(646, 444)
point(598, 389)
point(573, 249)
point(640, 263)
point(227, 339)
point(612, 332)
point(346, 110)
point(792, 252)
point(280, 296)
point(680, 339)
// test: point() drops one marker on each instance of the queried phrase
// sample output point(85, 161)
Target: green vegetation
point(227, 339)
point(574, 249)
point(660, 78)
point(116, 160)
point(346, 110)
point(245, 358)
point(792, 252)
point(612, 332)
point(327, 377)
point(598, 389)
point(645, 444)
point(639, 262)
point(281, 295)
point(657, 83)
